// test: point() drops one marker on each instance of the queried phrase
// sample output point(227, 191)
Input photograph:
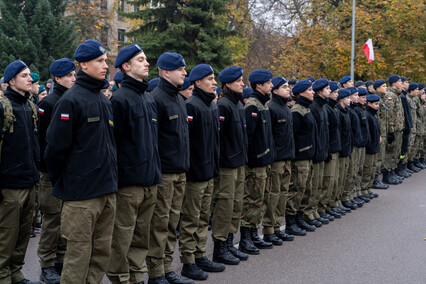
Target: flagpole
point(353, 40)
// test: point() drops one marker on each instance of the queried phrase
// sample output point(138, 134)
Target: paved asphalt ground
point(382, 242)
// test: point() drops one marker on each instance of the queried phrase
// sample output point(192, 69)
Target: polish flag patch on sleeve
point(221, 118)
point(41, 111)
point(190, 118)
point(389, 99)
point(65, 116)
point(254, 114)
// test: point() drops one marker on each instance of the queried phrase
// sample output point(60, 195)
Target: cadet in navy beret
point(118, 77)
point(334, 86)
point(62, 67)
point(13, 69)
point(199, 72)
point(353, 90)
point(153, 83)
point(421, 86)
point(301, 86)
point(343, 93)
point(359, 83)
point(362, 92)
point(219, 90)
point(230, 74)
point(369, 83)
point(277, 82)
point(89, 50)
point(373, 98)
point(393, 78)
point(412, 87)
point(260, 76)
point(346, 82)
point(247, 92)
point(311, 79)
point(378, 83)
point(187, 88)
point(320, 84)
point(126, 54)
point(170, 61)
point(292, 82)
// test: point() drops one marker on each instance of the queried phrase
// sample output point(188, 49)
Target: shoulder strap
point(9, 119)
point(35, 113)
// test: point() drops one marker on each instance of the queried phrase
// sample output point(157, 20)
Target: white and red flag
point(368, 50)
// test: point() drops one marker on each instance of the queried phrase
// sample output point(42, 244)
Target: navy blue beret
point(186, 83)
point(378, 83)
point(393, 78)
point(353, 90)
point(219, 90)
point(230, 74)
point(301, 86)
point(404, 79)
point(153, 83)
point(13, 69)
point(127, 53)
point(359, 83)
point(292, 82)
point(118, 77)
point(247, 92)
point(362, 92)
point(277, 82)
point(373, 98)
point(343, 93)
point(334, 86)
point(369, 83)
point(200, 71)
point(311, 79)
point(345, 79)
point(170, 61)
point(106, 85)
point(421, 86)
point(260, 76)
point(320, 84)
point(89, 50)
point(62, 67)
point(413, 86)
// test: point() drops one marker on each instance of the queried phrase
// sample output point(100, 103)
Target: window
point(121, 35)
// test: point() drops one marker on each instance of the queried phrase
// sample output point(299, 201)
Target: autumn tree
point(35, 32)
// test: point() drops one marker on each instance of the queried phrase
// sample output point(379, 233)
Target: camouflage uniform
point(412, 146)
point(395, 125)
point(383, 115)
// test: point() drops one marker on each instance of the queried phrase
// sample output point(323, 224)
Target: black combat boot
point(387, 178)
point(333, 213)
point(246, 245)
point(400, 179)
point(291, 226)
point(159, 280)
point(192, 271)
point(173, 278)
point(412, 167)
point(377, 184)
point(422, 161)
point(418, 164)
point(317, 222)
point(235, 252)
point(258, 242)
point(284, 236)
point(222, 254)
point(348, 204)
point(302, 224)
point(405, 168)
point(400, 170)
point(50, 275)
point(271, 238)
point(209, 266)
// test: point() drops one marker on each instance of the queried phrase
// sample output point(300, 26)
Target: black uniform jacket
point(173, 138)
point(356, 126)
point(345, 131)
point(20, 153)
point(233, 135)
point(407, 112)
point(80, 155)
point(365, 132)
point(321, 118)
point(282, 128)
point(46, 106)
point(373, 145)
point(136, 134)
point(334, 144)
point(203, 123)
point(261, 150)
point(304, 129)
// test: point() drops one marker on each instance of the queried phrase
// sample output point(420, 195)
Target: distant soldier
point(152, 84)
point(19, 150)
point(173, 146)
point(346, 82)
point(261, 153)
point(304, 133)
point(139, 168)
point(82, 164)
point(35, 87)
point(370, 87)
point(282, 130)
point(421, 124)
point(187, 89)
point(52, 247)
point(413, 141)
point(346, 148)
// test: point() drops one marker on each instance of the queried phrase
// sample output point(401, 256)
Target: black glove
point(391, 137)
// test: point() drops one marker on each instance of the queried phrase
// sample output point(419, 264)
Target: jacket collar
point(232, 96)
point(13, 95)
point(303, 101)
point(88, 82)
point(261, 97)
point(137, 86)
point(207, 98)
